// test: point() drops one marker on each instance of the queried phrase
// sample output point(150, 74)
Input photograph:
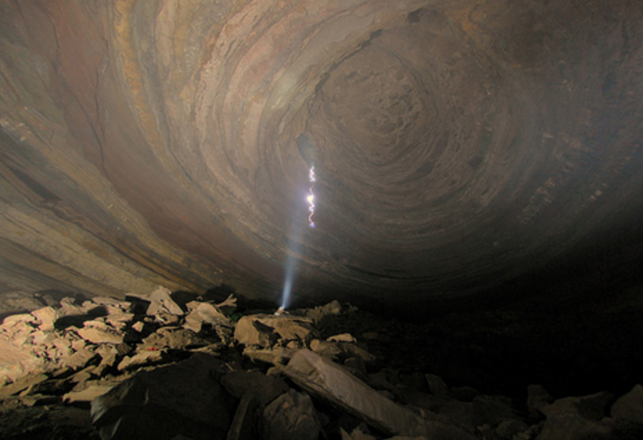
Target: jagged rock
point(138, 326)
point(162, 303)
point(436, 385)
point(275, 356)
point(88, 394)
point(265, 330)
point(630, 406)
point(38, 400)
point(319, 312)
point(291, 416)
point(173, 338)
point(46, 317)
point(328, 381)
point(537, 399)
point(205, 313)
point(184, 398)
point(590, 407)
point(22, 384)
point(68, 307)
point(98, 332)
point(329, 349)
point(108, 354)
point(262, 387)
point(142, 358)
point(344, 337)
point(113, 306)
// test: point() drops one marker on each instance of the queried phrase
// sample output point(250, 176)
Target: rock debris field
point(166, 367)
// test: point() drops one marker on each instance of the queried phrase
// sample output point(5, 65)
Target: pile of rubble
point(152, 367)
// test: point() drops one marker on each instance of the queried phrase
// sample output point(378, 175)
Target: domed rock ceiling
point(458, 145)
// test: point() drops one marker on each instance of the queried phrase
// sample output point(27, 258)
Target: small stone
point(138, 326)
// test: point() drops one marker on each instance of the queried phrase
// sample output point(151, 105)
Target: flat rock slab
point(332, 383)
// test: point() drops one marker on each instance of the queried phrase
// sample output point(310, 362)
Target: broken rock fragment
point(291, 416)
point(265, 330)
point(162, 303)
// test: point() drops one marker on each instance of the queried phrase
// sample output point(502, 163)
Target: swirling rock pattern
point(458, 144)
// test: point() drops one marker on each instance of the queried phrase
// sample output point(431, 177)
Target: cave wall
point(459, 145)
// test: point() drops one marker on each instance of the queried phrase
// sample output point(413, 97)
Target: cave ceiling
point(457, 145)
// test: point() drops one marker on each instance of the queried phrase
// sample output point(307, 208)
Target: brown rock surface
point(146, 143)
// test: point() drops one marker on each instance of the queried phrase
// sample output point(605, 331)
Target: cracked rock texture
point(462, 147)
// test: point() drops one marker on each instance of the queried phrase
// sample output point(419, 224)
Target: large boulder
point(330, 382)
point(184, 399)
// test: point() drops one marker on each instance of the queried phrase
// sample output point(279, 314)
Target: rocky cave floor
point(176, 366)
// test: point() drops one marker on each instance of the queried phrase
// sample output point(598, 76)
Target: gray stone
point(330, 382)
point(291, 416)
point(184, 398)
point(260, 330)
point(630, 406)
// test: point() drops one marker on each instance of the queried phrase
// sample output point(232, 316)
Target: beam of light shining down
point(293, 246)
point(311, 196)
